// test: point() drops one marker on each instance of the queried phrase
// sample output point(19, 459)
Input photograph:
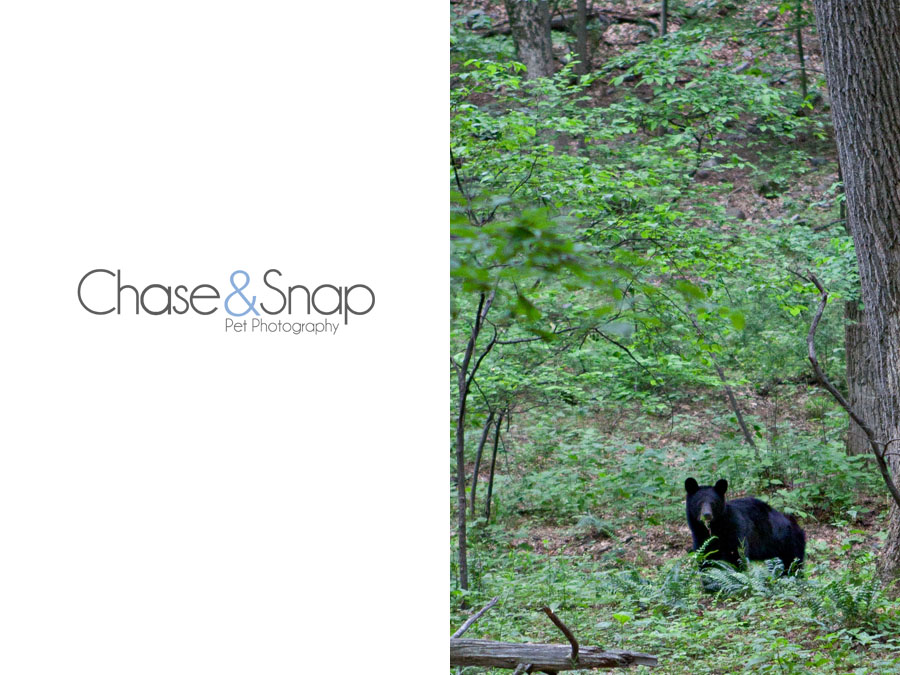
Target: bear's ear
point(690, 486)
point(721, 486)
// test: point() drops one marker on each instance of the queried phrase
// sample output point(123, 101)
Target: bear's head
point(705, 503)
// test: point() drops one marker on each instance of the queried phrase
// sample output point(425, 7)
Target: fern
point(847, 602)
point(762, 581)
point(673, 588)
point(596, 526)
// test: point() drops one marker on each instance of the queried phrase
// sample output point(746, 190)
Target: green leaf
point(526, 308)
point(689, 290)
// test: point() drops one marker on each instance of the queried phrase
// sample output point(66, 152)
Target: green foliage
point(852, 600)
point(766, 580)
point(466, 44)
point(799, 474)
point(831, 619)
point(707, 100)
point(575, 472)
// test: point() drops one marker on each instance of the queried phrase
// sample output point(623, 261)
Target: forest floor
point(654, 544)
point(626, 579)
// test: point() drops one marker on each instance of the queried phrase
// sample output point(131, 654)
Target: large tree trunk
point(862, 398)
point(530, 23)
point(861, 45)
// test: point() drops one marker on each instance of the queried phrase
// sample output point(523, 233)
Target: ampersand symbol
point(238, 291)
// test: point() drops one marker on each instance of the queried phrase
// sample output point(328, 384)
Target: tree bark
point(663, 18)
point(860, 394)
point(581, 38)
point(859, 390)
point(861, 45)
point(530, 24)
point(490, 654)
point(798, 17)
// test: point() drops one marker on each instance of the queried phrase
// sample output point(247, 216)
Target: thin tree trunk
point(484, 434)
point(732, 401)
point(581, 38)
point(735, 408)
point(463, 387)
point(798, 17)
point(490, 489)
point(861, 45)
point(461, 479)
point(464, 379)
point(663, 18)
point(530, 24)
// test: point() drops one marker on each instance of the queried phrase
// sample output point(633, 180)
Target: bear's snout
point(706, 514)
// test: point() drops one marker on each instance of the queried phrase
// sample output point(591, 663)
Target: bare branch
point(878, 448)
point(819, 228)
point(483, 354)
point(535, 338)
point(514, 190)
point(565, 629)
point(459, 184)
point(624, 349)
point(472, 619)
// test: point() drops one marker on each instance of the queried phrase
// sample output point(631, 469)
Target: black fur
point(746, 523)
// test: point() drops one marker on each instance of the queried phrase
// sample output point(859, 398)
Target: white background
point(174, 499)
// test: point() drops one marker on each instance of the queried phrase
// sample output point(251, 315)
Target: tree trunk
point(861, 45)
point(465, 375)
point(530, 24)
point(461, 478)
point(484, 435)
point(862, 398)
point(735, 408)
point(581, 38)
point(663, 18)
point(798, 17)
point(859, 391)
point(490, 488)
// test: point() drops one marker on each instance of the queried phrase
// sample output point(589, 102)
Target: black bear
point(746, 524)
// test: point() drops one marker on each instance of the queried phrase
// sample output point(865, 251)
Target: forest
point(675, 255)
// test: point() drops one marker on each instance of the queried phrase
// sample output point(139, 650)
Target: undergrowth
point(696, 618)
point(573, 483)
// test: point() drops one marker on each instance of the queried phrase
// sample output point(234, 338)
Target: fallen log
point(490, 654)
